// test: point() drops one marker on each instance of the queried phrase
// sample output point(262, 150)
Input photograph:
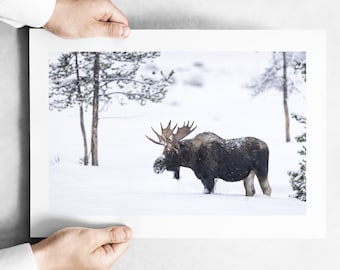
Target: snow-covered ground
point(124, 183)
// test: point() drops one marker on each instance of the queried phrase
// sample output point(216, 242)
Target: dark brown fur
point(212, 157)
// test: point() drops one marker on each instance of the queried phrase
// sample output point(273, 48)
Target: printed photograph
point(166, 133)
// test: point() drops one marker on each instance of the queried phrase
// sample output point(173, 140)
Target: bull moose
point(212, 157)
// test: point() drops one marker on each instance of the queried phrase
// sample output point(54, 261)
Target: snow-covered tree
point(68, 87)
point(286, 72)
point(95, 78)
point(298, 178)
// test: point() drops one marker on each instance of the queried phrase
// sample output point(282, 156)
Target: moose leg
point(249, 184)
point(262, 176)
point(209, 185)
point(264, 183)
point(176, 173)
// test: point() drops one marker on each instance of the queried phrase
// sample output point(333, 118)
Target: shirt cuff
point(17, 258)
point(34, 13)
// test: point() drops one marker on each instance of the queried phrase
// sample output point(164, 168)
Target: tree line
point(93, 79)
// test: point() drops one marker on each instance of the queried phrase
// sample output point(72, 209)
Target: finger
point(110, 253)
point(119, 249)
point(116, 249)
point(112, 235)
point(111, 29)
point(109, 12)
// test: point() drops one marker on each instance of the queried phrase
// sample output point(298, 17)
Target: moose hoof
point(250, 193)
point(206, 191)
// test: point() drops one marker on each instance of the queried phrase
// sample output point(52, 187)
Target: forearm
point(34, 13)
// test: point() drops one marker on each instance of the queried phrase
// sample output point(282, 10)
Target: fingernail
point(125, 31)
point(121, 235)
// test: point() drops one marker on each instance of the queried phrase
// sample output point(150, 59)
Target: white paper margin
point(311, 225)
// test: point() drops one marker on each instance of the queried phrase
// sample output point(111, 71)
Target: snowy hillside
point(210, 90)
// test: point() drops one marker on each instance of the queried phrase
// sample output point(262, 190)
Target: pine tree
point(94, 78)
point(283, 74)
point(298, 178)
point(68, 89)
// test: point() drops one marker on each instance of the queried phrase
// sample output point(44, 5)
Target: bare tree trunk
point(83, 132)
point(94, 130)
point(81, 112)
point(285, 97)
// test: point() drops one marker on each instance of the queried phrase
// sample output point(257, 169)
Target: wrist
point(39, 254)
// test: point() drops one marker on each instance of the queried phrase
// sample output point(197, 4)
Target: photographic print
point(167, 135)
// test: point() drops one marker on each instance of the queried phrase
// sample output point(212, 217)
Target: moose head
point(171, 138)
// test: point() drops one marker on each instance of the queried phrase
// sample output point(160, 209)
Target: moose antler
point(169, 137)
point(165, 136)
point(183, 131)
point(167, 132)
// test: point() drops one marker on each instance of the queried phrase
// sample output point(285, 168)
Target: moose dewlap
point(212, 157)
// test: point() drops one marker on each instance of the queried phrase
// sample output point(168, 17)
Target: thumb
point(112, 235)
point(111, 29)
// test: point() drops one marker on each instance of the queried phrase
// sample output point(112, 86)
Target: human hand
point(87, 18)
point(82, 248)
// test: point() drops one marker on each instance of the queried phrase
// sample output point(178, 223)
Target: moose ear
point(176, 147)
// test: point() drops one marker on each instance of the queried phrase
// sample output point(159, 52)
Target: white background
point(183, 254)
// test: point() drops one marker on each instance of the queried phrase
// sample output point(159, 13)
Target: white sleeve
point(18, 258)
point(18, 13)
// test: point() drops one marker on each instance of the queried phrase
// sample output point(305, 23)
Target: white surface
point(190, 254)
point(72, 193)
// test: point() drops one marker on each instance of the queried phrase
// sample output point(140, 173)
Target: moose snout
point(159, 164)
